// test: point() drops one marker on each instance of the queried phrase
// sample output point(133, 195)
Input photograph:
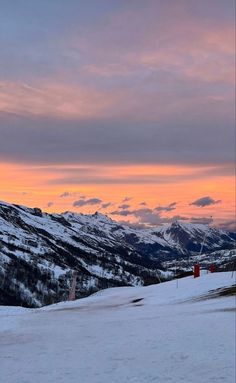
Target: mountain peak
point(176, 224)
point(102, 217)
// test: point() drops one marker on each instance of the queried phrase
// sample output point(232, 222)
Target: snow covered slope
point(39, 250)
point(161, 333)
point(191, 238)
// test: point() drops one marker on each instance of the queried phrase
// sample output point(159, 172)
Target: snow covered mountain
point(188, 238)
point(38, 252)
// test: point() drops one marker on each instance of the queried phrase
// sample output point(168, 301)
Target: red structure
point(212, 268)
point(196, 271)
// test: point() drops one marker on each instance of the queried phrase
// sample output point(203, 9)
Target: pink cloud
point(134, 46)
point(159, 36)
point(193, 52)
point(53, 99)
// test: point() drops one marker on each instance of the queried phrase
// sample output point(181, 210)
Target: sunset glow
point(107, 102)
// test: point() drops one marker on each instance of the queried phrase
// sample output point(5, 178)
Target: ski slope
point(161, 333)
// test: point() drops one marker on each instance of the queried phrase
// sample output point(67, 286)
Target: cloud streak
point(205, 201)
point(87, 202)
point(170, 207)
point(124, 206)
point(202, 220)
point(56, 100)
point(148, 217)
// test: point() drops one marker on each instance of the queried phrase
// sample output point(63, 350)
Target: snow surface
point(158, 333)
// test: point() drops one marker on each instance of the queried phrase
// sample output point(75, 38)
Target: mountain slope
point(38, 251)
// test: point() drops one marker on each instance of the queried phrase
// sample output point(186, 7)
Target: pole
point(73, 287)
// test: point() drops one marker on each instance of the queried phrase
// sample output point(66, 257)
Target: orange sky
point(37, 186)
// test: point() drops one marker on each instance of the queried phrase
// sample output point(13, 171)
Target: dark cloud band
point(41, 141)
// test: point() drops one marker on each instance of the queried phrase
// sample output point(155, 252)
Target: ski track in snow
point(120, 335)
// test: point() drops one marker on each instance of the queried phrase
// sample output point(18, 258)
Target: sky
point(125, 107)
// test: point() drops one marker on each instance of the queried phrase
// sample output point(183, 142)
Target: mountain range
point(39, 251)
